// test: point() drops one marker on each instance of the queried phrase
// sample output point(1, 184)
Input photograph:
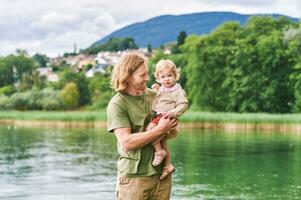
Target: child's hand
point(170, 114)
point(155, 86)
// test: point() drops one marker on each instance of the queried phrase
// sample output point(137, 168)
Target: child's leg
point(167, 158)
point(156, 143)
point(168, 167)
point(151, 126)
point(160, 154)
point(159, 151)
point(171, 135)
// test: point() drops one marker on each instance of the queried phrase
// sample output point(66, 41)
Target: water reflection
point(238, 166)
point(39, 164)
point(43, 164)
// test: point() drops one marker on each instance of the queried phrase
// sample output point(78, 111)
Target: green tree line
point(250, 68)
point(113, 44)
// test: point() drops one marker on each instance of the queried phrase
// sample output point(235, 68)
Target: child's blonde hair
point(167, 64)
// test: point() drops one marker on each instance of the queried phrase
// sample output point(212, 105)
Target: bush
point(7, 90)
point(70, 96)
point(49, 100)
point(5, 103)
point(25, 100)
point(100, 90)
point(20, 100)
point(81, 82)
point(102, 101)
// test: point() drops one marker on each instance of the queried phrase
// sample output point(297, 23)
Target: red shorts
point(157, 119)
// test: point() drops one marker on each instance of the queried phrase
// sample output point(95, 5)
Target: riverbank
point(227, 127)
point(201, 120)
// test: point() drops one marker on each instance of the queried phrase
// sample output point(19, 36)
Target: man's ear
point(128, 80)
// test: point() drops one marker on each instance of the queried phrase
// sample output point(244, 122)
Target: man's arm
point(130, 141)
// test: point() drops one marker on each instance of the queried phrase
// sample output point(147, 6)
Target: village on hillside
point(96, 63)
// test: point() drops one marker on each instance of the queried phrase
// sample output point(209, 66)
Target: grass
point(191, 116)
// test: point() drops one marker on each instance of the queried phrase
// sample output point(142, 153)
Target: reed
point(252, 118)
point(191, 116)
point(54, 115)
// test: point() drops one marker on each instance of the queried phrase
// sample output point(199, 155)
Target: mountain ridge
point(163, 29)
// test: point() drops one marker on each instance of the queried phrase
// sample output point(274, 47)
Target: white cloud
point(285, 7)
point(53, 26)
point(8, 47)
point(54, 21)
point(103, 23)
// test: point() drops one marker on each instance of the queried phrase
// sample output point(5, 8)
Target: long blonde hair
point(124, 69)
point(167, 64)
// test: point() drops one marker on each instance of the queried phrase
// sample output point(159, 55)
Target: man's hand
point(167, 123)
point(171, 114)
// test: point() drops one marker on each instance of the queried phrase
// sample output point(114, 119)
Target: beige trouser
point(143, 188)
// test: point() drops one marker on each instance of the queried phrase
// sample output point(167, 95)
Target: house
point(81, 60)
point(106, 58)
point(87, 60)
point(55, 61)
point(90, 73)
point(48, 73)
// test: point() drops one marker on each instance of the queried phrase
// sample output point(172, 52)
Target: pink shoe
point(159, 157)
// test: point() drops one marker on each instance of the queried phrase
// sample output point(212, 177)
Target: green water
point(46, 164)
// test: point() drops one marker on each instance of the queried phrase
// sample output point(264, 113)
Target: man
point(129, 112)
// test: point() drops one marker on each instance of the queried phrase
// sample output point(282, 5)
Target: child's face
point(166, 78)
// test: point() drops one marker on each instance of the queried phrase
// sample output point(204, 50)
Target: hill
point(164, 29)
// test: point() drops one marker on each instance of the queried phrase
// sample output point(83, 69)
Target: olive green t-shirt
point(135, 112)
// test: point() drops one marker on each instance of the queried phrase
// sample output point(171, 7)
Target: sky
point(53, 27)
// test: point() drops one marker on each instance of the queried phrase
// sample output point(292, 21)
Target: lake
point(77, 164)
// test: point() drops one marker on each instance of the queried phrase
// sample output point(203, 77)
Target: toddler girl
point(171, 99)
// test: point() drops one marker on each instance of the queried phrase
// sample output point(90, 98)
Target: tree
point(260, 60)
point(149, 48)
point(100, 90)
point(41, 59)
point(181, 38)
point(242, 69)
point(21, 65)
point(70, 96)
point(67, 54)
point(293, 42)
point(88, 67)
point(6, 73)
point(7, 90)
point(180, 41)
point(113, 44)
point(21, 52)
point(81, 82)
point(207, 61)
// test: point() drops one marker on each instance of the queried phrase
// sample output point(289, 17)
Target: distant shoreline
point(192, 120)
point(227, 127)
